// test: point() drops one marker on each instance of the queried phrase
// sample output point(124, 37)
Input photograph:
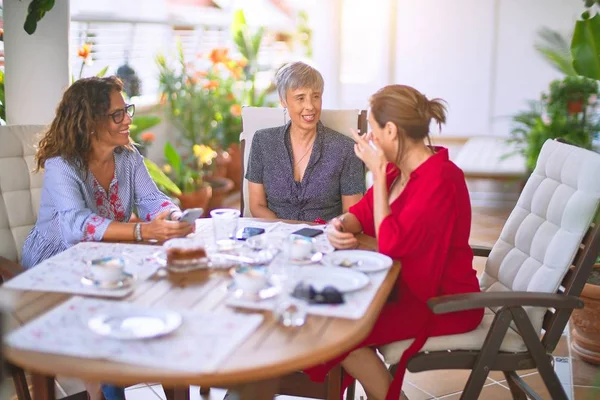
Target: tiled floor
point(580, 380)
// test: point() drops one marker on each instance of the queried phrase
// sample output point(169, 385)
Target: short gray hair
point(298, 75)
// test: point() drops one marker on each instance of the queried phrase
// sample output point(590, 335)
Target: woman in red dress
point(420, 213)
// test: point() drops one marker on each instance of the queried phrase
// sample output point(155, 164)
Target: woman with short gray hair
point(302, 170)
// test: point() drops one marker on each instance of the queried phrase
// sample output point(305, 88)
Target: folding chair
point(531, 283)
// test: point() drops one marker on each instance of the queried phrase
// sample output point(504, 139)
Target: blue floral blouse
point(74, 207)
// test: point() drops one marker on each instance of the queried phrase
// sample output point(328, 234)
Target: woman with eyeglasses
point(93, 179)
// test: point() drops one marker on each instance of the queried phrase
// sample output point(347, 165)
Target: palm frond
point(556, 49)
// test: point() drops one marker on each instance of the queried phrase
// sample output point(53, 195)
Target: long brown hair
point(409, 110)
point(81, 111)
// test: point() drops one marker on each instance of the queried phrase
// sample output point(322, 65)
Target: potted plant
point(569, 111)
point(183, 177)
point(138, 130)
point(585, 336)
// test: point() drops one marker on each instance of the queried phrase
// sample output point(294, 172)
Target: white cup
point(298, 247)
point(225, 222)
point(250, 279)
point(107, 269)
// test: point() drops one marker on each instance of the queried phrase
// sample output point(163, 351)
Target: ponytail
point(436, 109)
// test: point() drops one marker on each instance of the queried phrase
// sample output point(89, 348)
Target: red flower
point(91, 229)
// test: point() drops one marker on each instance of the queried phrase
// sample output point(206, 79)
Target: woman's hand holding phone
point(160, 228)
point(338, 238)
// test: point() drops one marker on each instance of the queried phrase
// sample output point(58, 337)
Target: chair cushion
point(256, 118)
point(543, 232)
point(20, 189)
point(466, 341)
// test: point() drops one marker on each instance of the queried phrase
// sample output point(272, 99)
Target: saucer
point(131, 325)
point(125, 282)
point(266, 293)
point(315, 258)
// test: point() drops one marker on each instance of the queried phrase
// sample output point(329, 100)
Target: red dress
point(428, 231)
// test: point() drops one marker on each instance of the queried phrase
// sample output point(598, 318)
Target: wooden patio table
point(253, 368)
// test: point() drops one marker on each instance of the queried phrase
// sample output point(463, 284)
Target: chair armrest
point(9, 269)
point(481, 251)
point(470, 301)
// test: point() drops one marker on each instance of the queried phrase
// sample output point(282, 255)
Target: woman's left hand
point(368, 151)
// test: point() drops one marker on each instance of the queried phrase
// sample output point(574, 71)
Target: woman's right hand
point(338, 238)
point(161, 229)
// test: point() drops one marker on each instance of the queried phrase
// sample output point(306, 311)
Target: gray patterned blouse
point(333, 170)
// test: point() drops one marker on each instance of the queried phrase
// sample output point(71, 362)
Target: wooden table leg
point(43, 387)
point(261, 390)
point(178, 393)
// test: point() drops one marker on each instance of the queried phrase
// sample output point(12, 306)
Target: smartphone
point(247, 232)
point(191, 214)
point(309, 232)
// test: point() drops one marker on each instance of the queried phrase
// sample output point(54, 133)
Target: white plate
point(135, 324)
point(360, 260)
point(343, 279)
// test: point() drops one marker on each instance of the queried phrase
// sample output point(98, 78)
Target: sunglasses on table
point(119, 115)
point(329, 294)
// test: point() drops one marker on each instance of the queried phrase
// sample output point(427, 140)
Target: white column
point(326, 22)
point(37, 67)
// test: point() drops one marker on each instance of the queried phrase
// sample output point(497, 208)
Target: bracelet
point(173, 211)
point(138, 232)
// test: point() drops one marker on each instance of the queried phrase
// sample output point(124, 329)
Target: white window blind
point(139, 43)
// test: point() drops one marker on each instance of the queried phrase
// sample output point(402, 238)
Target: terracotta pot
point(199, 198)
point(575, 106)
point(220, 189)
point(585, 336)
point(222, 164)
point(234, 169)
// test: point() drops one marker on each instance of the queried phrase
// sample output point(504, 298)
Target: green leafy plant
point(248, 43)
point(182, 174)
point(585, 46)
point(141, 124)
point(555, 48)
point(35, 12)
point(204, 96)
point(568, 111)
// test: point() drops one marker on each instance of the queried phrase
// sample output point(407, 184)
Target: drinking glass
point(225, 222)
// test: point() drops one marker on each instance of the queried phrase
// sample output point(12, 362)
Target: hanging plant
point(36, 11)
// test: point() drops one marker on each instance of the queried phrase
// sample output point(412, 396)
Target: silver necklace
point(305, 154)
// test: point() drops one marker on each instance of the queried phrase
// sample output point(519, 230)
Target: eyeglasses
point(119, 115)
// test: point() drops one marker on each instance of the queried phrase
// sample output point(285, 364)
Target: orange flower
point(200, 74)
point(219, 56)
point(242, 62)
point(230, 97)
point(235, 69)
point(235, 110)
point(85, 51)
point(211, 85)
point(147, 137)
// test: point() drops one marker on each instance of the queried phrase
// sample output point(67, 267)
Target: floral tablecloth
point(354, 307)
point(200, 344)
point(63, 272)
